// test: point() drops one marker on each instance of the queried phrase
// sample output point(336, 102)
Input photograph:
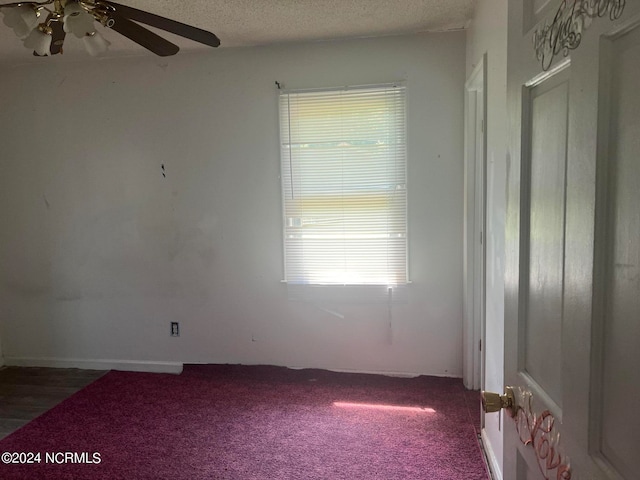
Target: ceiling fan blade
point(141, 35)
point(166, 24)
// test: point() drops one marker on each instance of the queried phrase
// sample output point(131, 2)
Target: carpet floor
point(231, 422)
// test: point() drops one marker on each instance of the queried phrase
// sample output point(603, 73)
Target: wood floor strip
point(28, 392)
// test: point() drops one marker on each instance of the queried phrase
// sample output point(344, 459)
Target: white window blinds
point(344, 186)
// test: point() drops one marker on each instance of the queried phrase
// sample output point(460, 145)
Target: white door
point(572, 282)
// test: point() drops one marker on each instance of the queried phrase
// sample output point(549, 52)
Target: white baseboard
point(494, 465)
point(163, 367)
point(368, 372)
point(90, 364)
point(379, 372)
point(388, 373)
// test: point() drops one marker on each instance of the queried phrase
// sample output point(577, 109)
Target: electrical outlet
point(175, 329)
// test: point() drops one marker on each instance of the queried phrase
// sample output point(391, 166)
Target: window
point(344, 189)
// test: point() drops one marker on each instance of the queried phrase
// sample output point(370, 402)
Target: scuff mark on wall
point(28, 289)
point(69, 297)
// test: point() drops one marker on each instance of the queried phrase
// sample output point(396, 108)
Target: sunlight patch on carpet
point(378, 406)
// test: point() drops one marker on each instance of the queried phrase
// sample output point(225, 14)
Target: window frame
point(285, 92)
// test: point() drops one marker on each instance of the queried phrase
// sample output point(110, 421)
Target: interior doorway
point(474, 227)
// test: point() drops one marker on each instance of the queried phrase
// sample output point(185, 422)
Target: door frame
point(475, 140)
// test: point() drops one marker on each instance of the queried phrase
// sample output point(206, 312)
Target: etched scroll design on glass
point(564, 33)
point(541, 433)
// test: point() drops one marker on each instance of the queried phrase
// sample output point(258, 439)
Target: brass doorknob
point(494, 402)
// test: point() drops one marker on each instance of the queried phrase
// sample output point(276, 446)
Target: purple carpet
point(224, 422)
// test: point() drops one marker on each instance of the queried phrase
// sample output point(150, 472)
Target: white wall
point(99, 252)
point(488, 34)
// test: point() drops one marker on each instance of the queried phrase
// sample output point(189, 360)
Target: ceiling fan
point(78, 16)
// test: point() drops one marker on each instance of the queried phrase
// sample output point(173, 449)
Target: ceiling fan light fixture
point(22, 19)
point(95, 44)
point(77, 17)
point(77, 21)
point(39, 40)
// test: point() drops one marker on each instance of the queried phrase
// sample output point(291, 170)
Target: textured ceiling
point(261, 22)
